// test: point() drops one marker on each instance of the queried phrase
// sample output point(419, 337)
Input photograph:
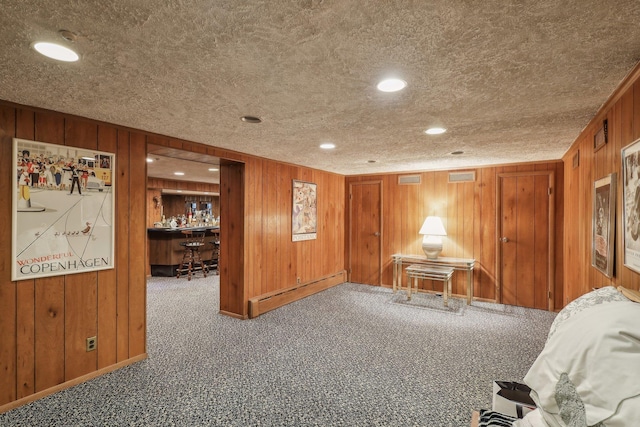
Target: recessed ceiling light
point(56, 51)
point(178, 191)
point(213, 169)
point(178, 173)
point(327, 146)
point(391, 85)
point(457, 153)
point(149, 160)
point(435, 131)
point(251, 119)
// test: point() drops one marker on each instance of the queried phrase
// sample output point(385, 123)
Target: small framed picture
point(604, 206)
point(631, 204)
point(304, 215)
point(601, 137)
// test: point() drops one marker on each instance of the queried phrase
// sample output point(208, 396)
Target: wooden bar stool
point(214, 265)
point(191, 259)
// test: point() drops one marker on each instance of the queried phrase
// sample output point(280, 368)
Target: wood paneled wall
point(622, 112)
point(270, 261)
point(469, 214)
point(273, 261)
point(44, 322)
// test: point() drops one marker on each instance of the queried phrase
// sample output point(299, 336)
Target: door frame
point(232, 228)
point(551, 241)
point(380, 225)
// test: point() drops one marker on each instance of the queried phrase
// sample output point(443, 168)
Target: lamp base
point(432, 246)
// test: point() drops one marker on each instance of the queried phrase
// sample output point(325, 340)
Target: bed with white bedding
point(588, 373)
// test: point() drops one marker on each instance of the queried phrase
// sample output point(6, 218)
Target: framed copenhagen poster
point(62, 210)
point(604, 206)
point(304, 216)
point(631, 204)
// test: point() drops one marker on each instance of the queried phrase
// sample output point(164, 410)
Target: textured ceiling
point(511, 80)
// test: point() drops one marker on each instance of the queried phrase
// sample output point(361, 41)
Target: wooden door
point(525, 240)
point(365, 232)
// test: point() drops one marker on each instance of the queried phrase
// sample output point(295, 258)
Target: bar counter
point(165, 252)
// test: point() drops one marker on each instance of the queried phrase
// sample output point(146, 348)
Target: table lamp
point(433, 231)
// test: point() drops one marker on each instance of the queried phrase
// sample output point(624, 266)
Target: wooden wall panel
point(25, 339)
point(484, 273)
point(269, 226)
point(123, 212)
point(541, 240)
point(50, 324)
point(232, 291)
point(81, 290)
point(44, 322)
point(559, 237)
point(622, 112)
point(255, 205)
point(107, 286)
point(137, 235)
point(49, 292)
point(8, 289)
point(468, 211)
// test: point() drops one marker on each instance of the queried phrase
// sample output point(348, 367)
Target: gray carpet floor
point(353, 355)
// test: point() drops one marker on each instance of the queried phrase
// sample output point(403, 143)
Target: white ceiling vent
point(409, 179)
point(465, 176)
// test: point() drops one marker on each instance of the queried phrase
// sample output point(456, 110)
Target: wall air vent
point(464, 176)
point(409, 179)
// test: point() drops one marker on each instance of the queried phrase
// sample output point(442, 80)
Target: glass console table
point(464, 264)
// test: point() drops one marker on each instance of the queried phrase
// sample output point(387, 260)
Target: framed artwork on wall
point(601, 137)
point(603, 241)
point(304, 216)
point(631, 204)
point(62, 210)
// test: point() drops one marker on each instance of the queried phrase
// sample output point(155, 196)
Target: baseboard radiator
point(267, 302)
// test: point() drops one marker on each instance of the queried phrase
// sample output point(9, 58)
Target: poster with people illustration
point(304, 215)
point(631, 204)
point(604, 206)
point(62, 211)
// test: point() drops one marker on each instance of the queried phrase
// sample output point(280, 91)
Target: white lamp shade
point(432, 226)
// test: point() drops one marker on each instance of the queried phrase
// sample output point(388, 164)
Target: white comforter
point(589, 370)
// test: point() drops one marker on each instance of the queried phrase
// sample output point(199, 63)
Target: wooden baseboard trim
point(267, 302)
point(234, 315)
point(68, 384)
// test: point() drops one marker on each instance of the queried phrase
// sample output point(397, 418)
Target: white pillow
point(589, 370)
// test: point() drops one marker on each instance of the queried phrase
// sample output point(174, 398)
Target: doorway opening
point(186, 190)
